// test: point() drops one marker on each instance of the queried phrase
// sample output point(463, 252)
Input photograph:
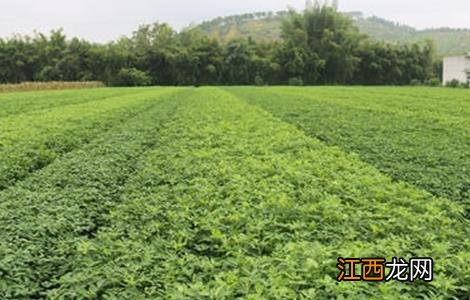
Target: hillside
point(267, 26)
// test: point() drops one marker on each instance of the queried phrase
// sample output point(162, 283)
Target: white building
point(456, 67)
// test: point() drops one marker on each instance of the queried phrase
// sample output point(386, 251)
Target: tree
point(325, 39)
point(238, 63)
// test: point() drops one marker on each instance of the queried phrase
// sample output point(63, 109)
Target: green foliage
point(259, 80)
point(263, 212)
point(48, 73)
point(296, 81)
point(54, 213)
point(266, 26)
point(33, 137)
point(21, 103)
point(324, 43)
point(260, 26)
point(433, 82)
point(386, 64)
point(194, 193)
point(419, 136)
point(132, 77)
point(416, 82)
point(320, 46)
point(454, 83)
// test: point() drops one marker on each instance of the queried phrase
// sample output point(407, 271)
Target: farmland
point(188, 193)
point(420, 136)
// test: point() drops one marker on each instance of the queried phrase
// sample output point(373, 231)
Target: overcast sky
point(103, 20)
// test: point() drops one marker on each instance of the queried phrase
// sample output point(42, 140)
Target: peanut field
point(231, 192)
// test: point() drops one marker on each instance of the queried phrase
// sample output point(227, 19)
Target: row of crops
point(46, 216)
point(420, 136)
point(208, 193)
point(33, 136)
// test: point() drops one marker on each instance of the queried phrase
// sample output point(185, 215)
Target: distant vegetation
point(317, 46)
point(267, 26)
point(259, 26)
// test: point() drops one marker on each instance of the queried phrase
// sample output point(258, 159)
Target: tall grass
point(52, 85)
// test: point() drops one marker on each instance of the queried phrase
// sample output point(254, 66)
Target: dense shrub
point(433, 82)
point(132, 77)
point(48, 73)
point(454, 83)
point(296, 81)
point(259, 81)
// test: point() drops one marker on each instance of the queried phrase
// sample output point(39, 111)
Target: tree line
point(318, 46)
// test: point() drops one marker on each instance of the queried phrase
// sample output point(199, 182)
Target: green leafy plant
point(433, 82)
point(296, 81)
point(132, 77)
point(414, 135)
point(235, 193)
point(454, 83)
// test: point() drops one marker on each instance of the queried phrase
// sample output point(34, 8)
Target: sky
point(105, 20)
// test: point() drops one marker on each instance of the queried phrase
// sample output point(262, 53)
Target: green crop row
point(45, 217)
point(18, 103)
point(31, 141)
point(408, 136)
point(234, 203)
point(427, 102)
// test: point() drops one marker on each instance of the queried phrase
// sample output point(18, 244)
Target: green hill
point(267, 26)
